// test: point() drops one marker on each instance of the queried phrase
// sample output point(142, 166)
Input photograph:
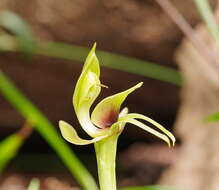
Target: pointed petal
point(150, 130)
point(88, 85)
point(86, 91)
point(92, 62)
point(107, 111)
point(156, 124)
point(126, 119)
point(69, 134)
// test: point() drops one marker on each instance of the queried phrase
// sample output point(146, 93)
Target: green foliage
point(26, 43)
point(34, 185)
point(22, 40)
point(112, 60)
point(212, 118)
point(9, 148)
point(16, 25)
point(47, 130)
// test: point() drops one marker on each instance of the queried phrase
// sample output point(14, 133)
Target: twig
point(25, 130)
point(179, 20)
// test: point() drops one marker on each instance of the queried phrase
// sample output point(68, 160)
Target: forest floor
point(138, 164)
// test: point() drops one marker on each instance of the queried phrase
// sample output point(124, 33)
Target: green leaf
point(47, 130)
point(69, 134)
point(34, 185)
point(17, 26)
point(107, 111)
point(9, 148)
point(112, 60)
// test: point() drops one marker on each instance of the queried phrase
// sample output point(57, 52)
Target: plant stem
point(47, 130)
point(106, 157)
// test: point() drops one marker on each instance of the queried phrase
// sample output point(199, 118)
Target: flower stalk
point(106, 162)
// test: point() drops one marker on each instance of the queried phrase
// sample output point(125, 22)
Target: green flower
point(106, 118)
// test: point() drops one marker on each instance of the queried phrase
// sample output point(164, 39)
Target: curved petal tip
point(70, 135)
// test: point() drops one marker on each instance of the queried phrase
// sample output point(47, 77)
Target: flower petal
point(118, 126)
point(88, 85)
point(107, 111)
point(92, 62)
point(69, 134)
point(156, 124)
point(86, 91)
point(148, 129)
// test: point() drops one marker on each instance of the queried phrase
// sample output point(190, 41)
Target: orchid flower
point(106, 122)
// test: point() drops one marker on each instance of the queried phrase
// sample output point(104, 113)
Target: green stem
point(106, 156)
point(47, 130)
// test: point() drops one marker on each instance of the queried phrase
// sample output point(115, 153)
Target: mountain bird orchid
point(106, 122)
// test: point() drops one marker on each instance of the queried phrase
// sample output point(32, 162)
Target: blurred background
point(136, 41)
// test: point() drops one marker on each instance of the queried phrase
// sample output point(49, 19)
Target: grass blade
point(9, 148)
point(20, 29)
point(111, 60)
point(47, 130)
point(15, 24)
point(212, 118)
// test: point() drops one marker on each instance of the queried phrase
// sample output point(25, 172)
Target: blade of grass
point(10, 146)
point(15, 24)
point(19, 27)
point(111, 60)
point(208, 16)
point(212, 118)
point(47, 130)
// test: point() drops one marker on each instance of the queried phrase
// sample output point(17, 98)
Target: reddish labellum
point(109, 119)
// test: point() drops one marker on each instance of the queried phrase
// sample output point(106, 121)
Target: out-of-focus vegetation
point(21, 39)
point(9, 148)
point(212, 118)
point(15, 35)
point(47, 130)
point(208, 16)
point(27, 43)
point(112, 60)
